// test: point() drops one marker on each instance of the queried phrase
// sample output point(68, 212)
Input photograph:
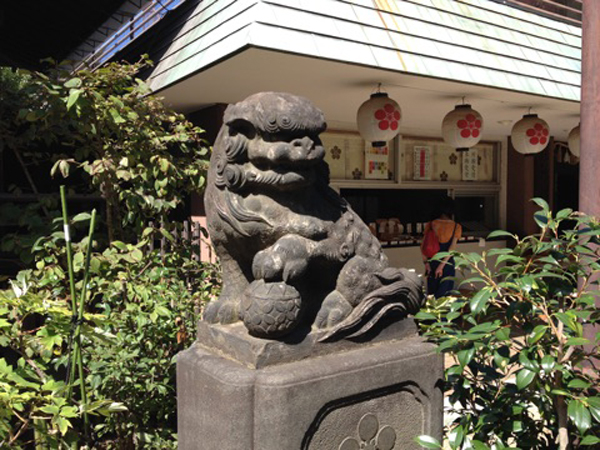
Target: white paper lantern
point(530, 134)
point(378, 119)
point(462, 127)
point(574, 140)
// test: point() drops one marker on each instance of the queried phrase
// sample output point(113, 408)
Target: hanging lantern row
point(378, 119)
point(462, 128)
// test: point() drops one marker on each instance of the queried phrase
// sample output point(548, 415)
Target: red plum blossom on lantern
point(378, 119)
point(462, 127)
point(530, 134)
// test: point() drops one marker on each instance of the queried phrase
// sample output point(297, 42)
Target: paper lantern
point(574, 140)
point(530, 134)
point(378, 119)
point(462, 127)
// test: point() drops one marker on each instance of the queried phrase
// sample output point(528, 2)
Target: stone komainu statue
point(292, 251)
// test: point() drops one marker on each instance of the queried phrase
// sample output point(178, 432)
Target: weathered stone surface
point(347, 369)
point(233, 342)
point(292, 250)
point(388, 387)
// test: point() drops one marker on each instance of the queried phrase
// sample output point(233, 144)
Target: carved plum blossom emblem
point(453, 158)
point(356, 174)
point(444, 176)
point(470, 126)
point(336, 152)
point(370, 436)
point(538, 134)
point(388, 117)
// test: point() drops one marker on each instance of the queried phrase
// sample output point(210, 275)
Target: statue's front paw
point(221, 311)
point(267, 265)
point(335, 308)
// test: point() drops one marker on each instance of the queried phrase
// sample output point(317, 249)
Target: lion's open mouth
point(280, 177)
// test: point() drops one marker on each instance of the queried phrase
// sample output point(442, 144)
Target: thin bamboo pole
point(63, 201)
point(77, 337)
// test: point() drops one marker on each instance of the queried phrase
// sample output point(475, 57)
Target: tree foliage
point(135, 151)
point(524, 372)
point(141, 305)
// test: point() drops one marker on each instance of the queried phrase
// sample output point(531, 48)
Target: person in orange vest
point(448, 233)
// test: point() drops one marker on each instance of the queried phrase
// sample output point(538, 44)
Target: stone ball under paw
point(271, 309)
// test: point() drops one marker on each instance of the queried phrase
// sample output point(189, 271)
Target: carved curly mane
point(252, 119)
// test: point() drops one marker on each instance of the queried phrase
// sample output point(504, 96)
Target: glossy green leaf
point(73, 83)
point(580, 415)
point(465, 356)
point(62, 424)
point(564, 213)
point(428, 441)
point(456, 436)
point(479, 300)
point(578, 383)
point(548, 363)
point(577, 341)
point(568, 319)
point(524, 378)
point(509, 259)
point(541, 219)
point(117, 407)
point(501, 233)
point(166, 234)
point(422, 315)
point(594, 404)
point(478, 445)
point(527, 362)
point(503, 334)
point(590, 440)
point(81, 217)
point(116, 116)
point(501, 358)
point(537, 334)
point(541, 203)
point(73, 97)
point(120, 245)
point(517, 426)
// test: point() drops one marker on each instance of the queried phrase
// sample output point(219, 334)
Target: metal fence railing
point(135, 27)
point(569, 11)
point(189, 234)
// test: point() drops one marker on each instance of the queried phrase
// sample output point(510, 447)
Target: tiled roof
point(474, 41)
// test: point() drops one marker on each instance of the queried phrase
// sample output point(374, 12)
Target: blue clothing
point(440, 287)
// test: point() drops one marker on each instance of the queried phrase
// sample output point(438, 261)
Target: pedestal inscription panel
point(386, 419)
point(317, 403)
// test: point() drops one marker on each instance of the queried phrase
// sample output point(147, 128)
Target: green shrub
point(523, 375)
point(142, 160)
point(34, 331)
point(141, 312)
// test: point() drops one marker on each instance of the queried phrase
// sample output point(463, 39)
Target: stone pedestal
point(236, 392)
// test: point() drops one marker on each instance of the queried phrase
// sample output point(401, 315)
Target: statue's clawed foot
point(334, 309)
point(286, 260)
point(223, 310)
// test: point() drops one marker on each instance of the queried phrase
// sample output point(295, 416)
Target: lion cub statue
point(292, 251)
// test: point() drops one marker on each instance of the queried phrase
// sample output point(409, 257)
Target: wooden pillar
point(589, 166)
point(589, 162)
point(520, 187)
point(529, 176)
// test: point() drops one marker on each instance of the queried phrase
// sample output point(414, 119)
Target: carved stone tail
point(403, 295)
